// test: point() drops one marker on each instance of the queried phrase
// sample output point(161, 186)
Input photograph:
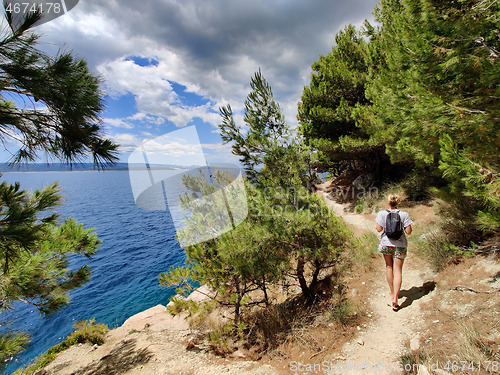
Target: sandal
point(395, 307)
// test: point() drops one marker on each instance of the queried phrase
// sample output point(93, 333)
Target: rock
point(422, 370)
point(415, 343)
point(155, 319)
point(429, 235)
point(363, 182)
point(238, 354)
point(202, 294)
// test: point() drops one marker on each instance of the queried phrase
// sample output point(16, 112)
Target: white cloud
point(118, 123)
point(173, 149)
point(131, 121)
point(128, 142)
point(154, 96)
point(145, 82)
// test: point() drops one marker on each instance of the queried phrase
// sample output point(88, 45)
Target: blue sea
point(137, 245)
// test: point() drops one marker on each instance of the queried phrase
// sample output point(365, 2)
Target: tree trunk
point(264, 289)
point(238, 300)
point(302, 280)
point(314, 280)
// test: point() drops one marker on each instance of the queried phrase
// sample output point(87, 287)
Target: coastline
point(157, 318)
point(152, 342)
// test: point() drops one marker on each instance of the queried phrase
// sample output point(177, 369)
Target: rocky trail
point(377, 347)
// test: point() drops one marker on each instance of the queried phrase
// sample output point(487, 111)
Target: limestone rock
point(363, 181)
point(422, 370)
point(415, 343)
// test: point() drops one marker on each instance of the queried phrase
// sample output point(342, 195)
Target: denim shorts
point(398, 252)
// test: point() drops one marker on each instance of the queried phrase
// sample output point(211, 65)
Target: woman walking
point(393, 244)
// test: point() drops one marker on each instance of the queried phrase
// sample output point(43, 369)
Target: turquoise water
point(137, 246)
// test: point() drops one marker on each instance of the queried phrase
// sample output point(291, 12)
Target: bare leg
point(389, 273)
point(398, 279)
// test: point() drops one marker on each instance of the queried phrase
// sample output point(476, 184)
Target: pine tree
point(62, 101)
point(435, 71)
point(269, 152)
point(337, 85)
point(59, 119)
point(329, 108)
point(434, 78)
point(34, 252)
point(287, 231)
point(469, 179)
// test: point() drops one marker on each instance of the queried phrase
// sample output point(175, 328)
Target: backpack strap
point(388, 211)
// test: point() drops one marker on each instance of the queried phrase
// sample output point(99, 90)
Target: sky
point(168, 64)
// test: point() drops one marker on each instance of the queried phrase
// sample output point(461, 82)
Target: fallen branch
point(463, 288)
point(318, 353)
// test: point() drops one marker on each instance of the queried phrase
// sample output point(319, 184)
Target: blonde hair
point(393, 200)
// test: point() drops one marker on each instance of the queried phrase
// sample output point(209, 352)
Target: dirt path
point(377, 347)
point(355, 220)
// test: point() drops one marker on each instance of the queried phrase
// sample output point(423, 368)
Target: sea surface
point(137, 245)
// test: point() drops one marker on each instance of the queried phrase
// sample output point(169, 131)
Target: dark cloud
point(214, 46)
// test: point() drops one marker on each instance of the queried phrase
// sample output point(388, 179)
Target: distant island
point(51, 167)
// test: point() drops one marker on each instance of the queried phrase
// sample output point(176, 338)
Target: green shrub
point(416, 187)
point(410, 362)
point(342, 312)
point(363, 249)
point(86, 331)
point(439, 251)
point(360, 207)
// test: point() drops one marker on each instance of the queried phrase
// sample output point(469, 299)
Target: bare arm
point(379, 228)
point(408, 230)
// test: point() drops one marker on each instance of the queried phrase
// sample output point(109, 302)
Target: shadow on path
point(416, 292)
point(121, 359)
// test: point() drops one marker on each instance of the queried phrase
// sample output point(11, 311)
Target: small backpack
point(393, 225)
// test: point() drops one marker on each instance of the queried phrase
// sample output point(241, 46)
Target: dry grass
point(363, 250)
point(318, 334)
point(462, 325)
point(294, 322)
point(284, 328)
